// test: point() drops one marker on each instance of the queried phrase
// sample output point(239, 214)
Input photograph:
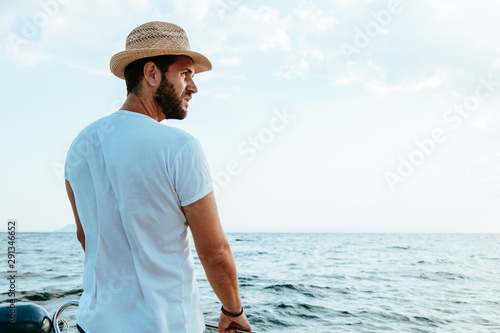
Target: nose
point(191, 87)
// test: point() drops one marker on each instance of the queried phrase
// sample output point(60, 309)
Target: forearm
point(80, 234)
point(221, 273)
point(215, 255)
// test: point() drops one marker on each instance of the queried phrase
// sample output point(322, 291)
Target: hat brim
point(121, 60)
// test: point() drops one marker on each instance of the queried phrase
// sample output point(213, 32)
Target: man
point(135, 185)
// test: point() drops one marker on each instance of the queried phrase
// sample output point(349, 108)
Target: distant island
point(68, 228)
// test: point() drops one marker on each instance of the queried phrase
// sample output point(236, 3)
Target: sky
point(318, 116)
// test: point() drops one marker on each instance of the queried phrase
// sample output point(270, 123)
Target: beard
point(168, 100)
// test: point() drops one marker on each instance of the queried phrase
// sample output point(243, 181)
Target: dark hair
point(134, 72)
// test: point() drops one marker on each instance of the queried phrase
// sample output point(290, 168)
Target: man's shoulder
point(101, 125)
point(175, 132)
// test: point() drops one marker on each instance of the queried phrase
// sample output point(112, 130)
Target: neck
point(144, 105)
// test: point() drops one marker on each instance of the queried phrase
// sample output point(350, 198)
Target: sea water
point(312, 282)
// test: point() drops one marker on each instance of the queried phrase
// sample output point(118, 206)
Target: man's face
point(176, 88)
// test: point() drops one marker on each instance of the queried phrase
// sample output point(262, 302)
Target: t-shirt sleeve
point(191, 174)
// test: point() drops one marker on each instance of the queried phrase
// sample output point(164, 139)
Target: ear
point(152, 74)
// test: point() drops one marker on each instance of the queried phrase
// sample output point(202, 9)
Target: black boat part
point(24, 318)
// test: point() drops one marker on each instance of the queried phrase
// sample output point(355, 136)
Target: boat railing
point(57, 315)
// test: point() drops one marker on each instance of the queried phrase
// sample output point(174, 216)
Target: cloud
point(230, 61)
point(263, 28)
point(310, 41)
point(431, 82)
point(372, 77)
point(315, 19)
point(380, 88)
point(482, 177)
point(442, 8)
point(73, 33)
point(439, 45)
point(300, 64)
point(197, 10)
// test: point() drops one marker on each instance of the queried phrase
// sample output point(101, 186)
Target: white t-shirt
point(131, 175)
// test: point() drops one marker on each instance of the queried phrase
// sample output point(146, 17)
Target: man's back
point(130, 176)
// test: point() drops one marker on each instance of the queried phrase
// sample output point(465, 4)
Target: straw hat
point(154, 39)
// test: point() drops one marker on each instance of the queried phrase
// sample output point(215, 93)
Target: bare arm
point(79, 230)
point(215, 255)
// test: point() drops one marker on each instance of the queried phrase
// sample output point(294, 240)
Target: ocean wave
point(451, 275)
point(37, 296)
point(281, 287)
point(400, 247)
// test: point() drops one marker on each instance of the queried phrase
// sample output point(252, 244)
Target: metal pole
point(55, 318)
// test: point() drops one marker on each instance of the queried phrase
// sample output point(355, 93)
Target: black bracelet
point(231, 314)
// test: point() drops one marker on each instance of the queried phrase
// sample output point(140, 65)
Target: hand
point(228, 324)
